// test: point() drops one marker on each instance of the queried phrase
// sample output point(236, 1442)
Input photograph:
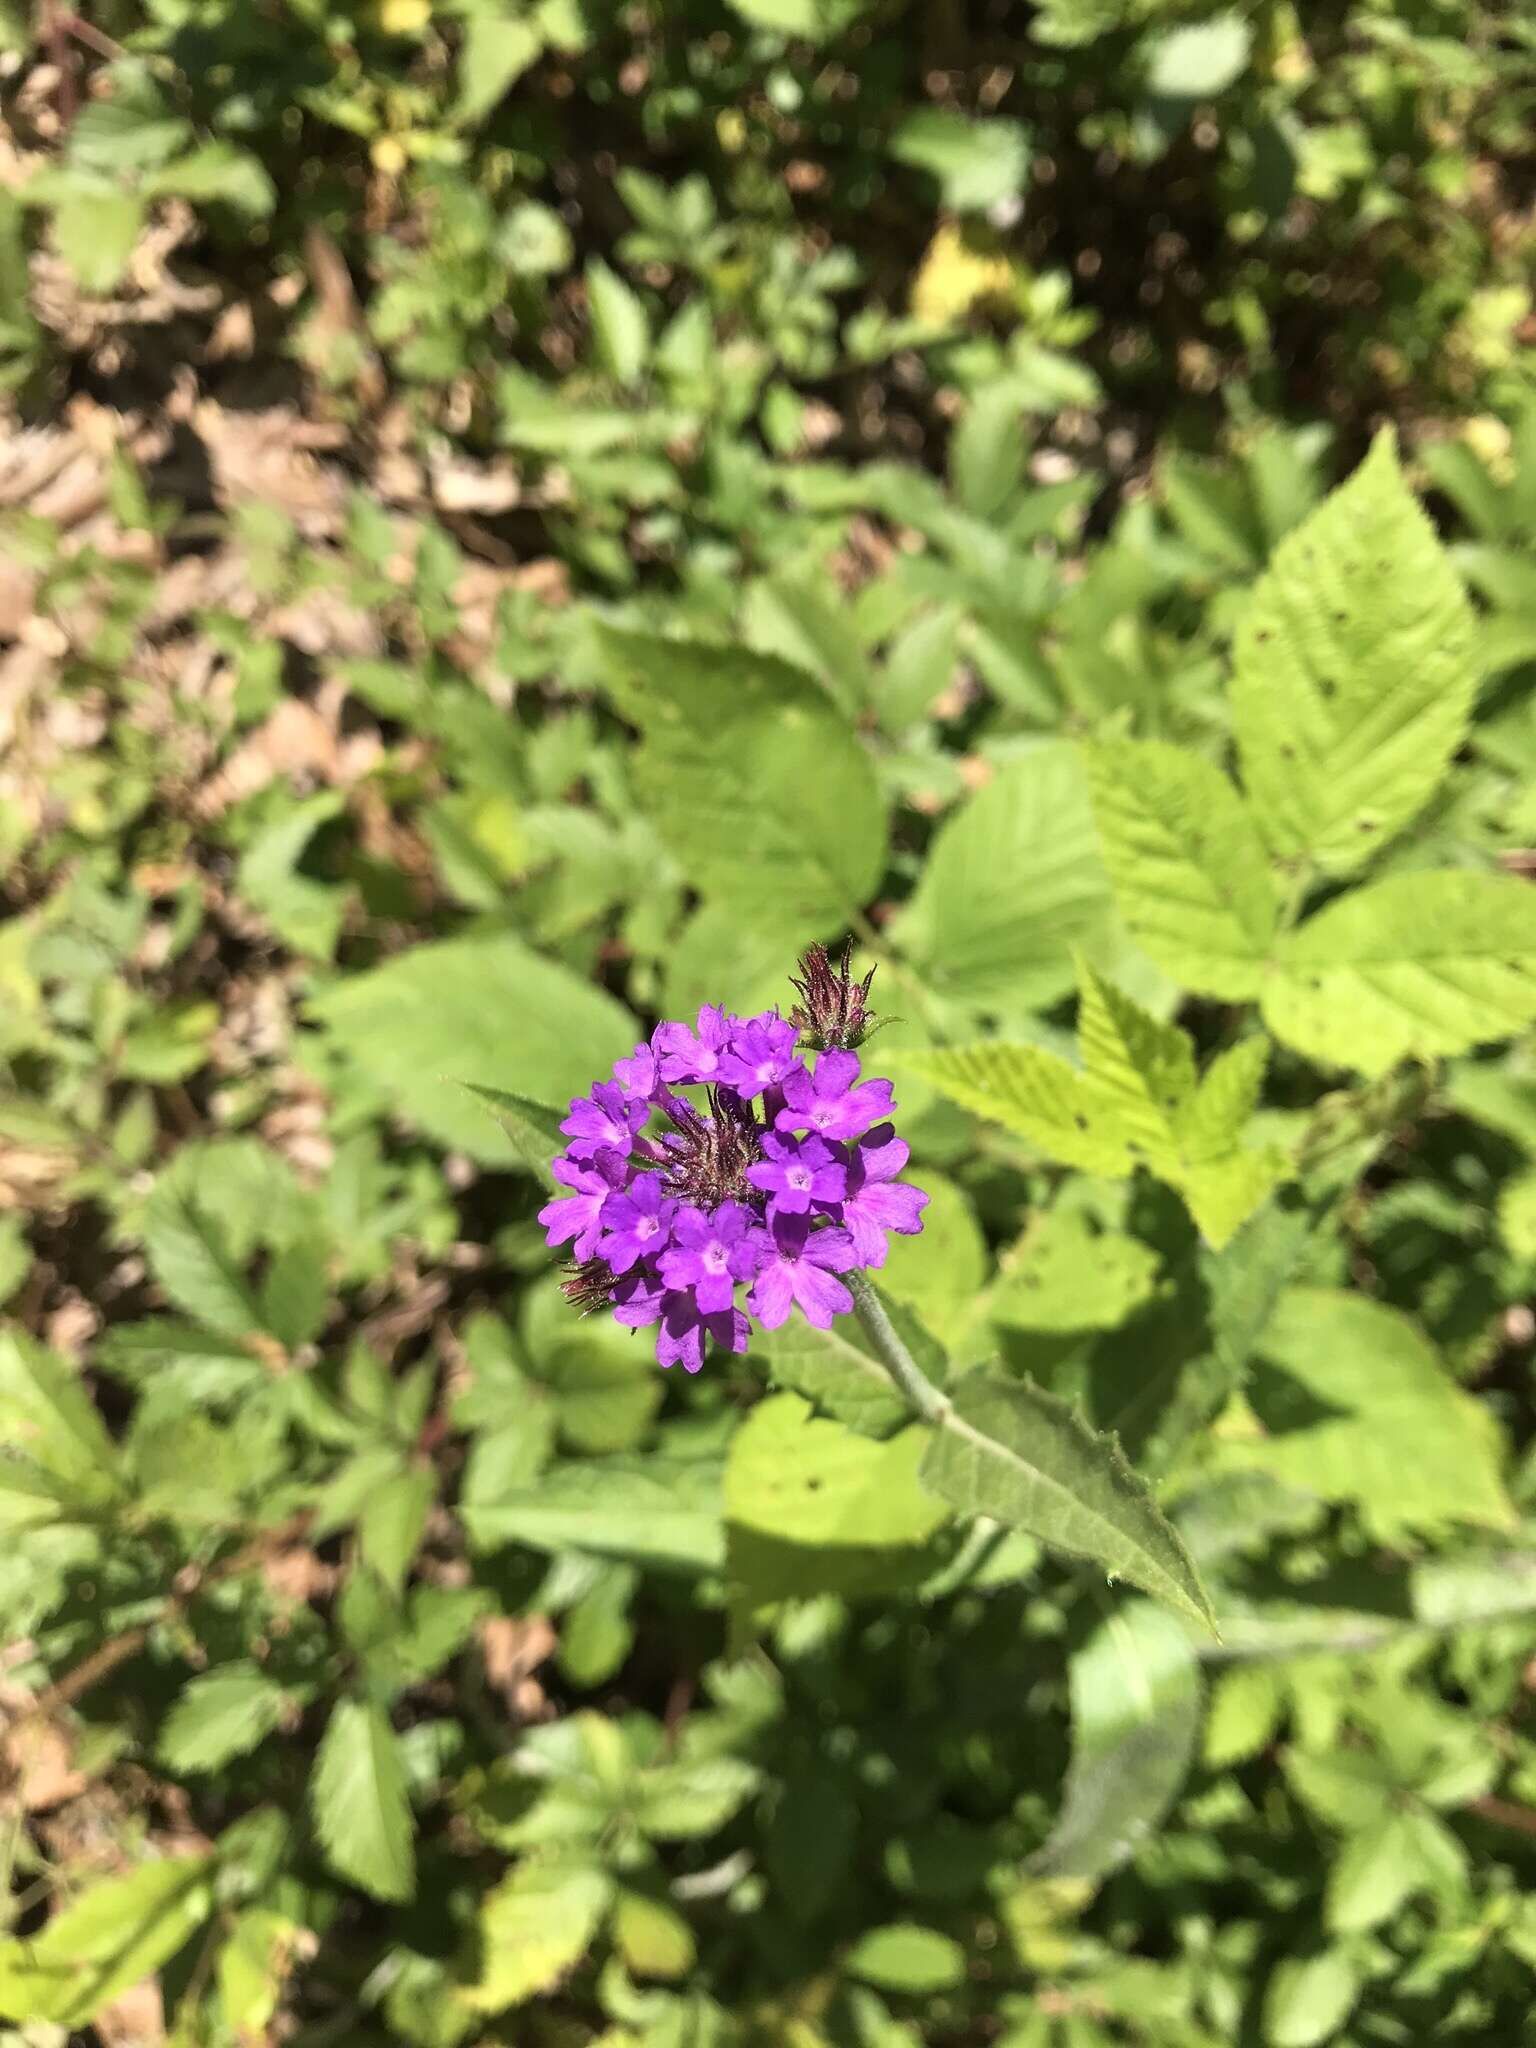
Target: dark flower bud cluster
point(781, 1177)
point(834, 1008)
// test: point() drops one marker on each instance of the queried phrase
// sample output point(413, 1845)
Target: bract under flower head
point(699, 1216)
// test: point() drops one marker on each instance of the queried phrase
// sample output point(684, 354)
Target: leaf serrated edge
point(946, 1419)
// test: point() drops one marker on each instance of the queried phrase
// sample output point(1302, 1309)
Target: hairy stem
point(912, 1382)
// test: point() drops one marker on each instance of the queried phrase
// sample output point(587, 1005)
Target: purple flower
point(875, 1203)
point(682, 1338)
point(762, 1053)
point(711, 1251)
point(694, 1056)
point(576, 1215)
point(607, 1118)
point(800, 1271)
point(780, 1179)
point(828, 1103)
point(637, 1074)
point(797, 1172)
point(637, 1223)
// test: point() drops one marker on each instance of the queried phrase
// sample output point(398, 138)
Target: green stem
point(919, 1392)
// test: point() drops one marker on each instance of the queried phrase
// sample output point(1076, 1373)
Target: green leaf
point(1011, 1451)
point(811, 1507)
point(306, 913)
point(116, 1932)
point(95, 229)
point(1187, 862)
point(498, 47)
point(482, 1008)
point(532, 1127)
point(220, 1715)
point(834, 1369)
point(902, 1957)
point(358, 1794)
point(1136, 1100)
point(659, 1511)
point(1411, 966)
point(1354, 672)
point(754, 780)
point(1517, 1214)
point(1054, 1105)
point(986, 451)
point(1013, 884)
point(1374, 1872)
point(217, 173)
point(1200, 61)
point(653, 1937)
point(1309, 1998)
point(193, 1262)
point(535, 1927)
point(978, 164)
point(1358, 1408)
point(619, 325)
point(254, 1963)
point(391, 1521)
point(684, 1801)
point(1135, 1715)
point(50, 1428)
point(1067, 1276)
point(939, 1272)
point(296, 1293)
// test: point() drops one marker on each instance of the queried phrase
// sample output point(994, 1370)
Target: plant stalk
point(912, 1382)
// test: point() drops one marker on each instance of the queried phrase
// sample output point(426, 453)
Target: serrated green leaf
point(1012, 885)
point(1135, 1689)
point(220, 1715)
point(1054, 1105)
point(1189, 868)
point(1354, 672)
point(357, 1793)
point(192, 1260)
point(533, 1128)
point(811, 1507)
point(1135, 1101)
point(758, 785)
point(115, 1933)
point(50, 1429)
point(1027, 1459)
point(535, 1927)
point(1411, 966)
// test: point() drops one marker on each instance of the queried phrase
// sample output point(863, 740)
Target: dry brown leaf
point(38, 1758)
point(134, 2019)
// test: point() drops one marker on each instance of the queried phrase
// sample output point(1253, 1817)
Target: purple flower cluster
point(784, 1178)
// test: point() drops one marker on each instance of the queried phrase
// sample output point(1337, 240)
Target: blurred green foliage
point(948, 410)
